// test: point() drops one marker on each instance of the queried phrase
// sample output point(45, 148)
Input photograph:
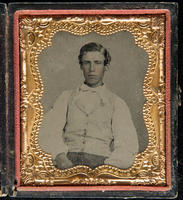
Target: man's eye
point(85, 62)
point(98, 62)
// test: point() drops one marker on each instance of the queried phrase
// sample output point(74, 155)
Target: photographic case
point(91, 100)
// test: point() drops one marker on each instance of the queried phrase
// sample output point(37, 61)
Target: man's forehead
point(93, 55)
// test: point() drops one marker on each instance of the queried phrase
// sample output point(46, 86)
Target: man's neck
point(94, 86)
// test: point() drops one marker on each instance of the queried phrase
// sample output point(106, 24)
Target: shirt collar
point(100, 90)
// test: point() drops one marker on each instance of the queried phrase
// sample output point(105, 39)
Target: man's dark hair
point(92, 46)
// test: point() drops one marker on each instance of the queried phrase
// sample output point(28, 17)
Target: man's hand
point(62, 162)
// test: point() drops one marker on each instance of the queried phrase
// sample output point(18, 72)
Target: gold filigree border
point(35, 35)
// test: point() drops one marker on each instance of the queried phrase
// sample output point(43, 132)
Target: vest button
point(102, 103)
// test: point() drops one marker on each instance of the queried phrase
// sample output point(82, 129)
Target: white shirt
point(87, 120)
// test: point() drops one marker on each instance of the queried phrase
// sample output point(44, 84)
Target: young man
point(94, 126)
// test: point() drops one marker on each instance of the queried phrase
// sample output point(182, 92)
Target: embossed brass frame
point(35, 33)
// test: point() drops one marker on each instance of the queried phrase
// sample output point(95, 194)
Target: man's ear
point(107, 67)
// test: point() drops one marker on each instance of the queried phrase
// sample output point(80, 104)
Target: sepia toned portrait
point(93, 99)
point(87, 123)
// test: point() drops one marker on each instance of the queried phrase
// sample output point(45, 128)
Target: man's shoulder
point(63, 98)
point(114, 96)
point(69, 93)
point(66, 93)
point(120, 105)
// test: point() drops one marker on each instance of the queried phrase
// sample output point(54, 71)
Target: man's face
point(93, 68)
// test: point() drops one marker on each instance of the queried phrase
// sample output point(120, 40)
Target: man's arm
point(50, 135)
point(125, 137)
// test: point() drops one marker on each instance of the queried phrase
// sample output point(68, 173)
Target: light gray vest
point(90, 133)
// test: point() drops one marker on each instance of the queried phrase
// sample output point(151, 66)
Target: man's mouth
point(92, 75)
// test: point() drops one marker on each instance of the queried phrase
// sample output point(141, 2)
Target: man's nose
point(92, 67)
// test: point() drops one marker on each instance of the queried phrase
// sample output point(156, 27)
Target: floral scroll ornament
point(36, 166)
